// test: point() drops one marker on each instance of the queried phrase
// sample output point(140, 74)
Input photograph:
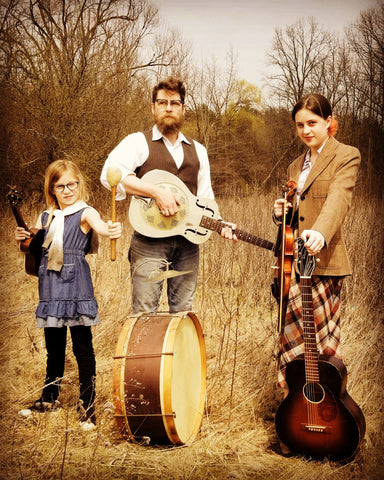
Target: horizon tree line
point(76, 77)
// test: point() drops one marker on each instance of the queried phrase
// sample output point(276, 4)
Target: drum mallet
point(113, 178)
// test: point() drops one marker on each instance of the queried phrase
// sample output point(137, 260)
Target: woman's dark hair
point(318, 105)
point(172, 84)
point(314, 102)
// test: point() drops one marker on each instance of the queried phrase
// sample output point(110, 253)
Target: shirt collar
point(322, 146)
point(319, 150)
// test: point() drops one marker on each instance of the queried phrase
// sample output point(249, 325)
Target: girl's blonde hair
point(52, 174)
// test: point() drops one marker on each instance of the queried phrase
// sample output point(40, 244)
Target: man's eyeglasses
point(162, 103)
point(60, 188)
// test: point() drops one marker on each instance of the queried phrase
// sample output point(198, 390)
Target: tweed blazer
point(325, 200)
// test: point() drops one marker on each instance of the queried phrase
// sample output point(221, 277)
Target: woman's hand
point(314, 241)
point(278, 207)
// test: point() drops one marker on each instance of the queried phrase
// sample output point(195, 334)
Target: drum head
point(184, 378)
point(160, 378)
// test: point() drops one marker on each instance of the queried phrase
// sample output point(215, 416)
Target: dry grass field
point(238, 315)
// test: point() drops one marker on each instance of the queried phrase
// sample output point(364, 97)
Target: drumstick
point(113, 178)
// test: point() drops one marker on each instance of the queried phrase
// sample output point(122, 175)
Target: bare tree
point(226, 117)
point(349, 72)
point(298, 55)
point(71, 74)
point(366, 37)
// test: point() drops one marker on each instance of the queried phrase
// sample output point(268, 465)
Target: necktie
point(304, 174)
point(303, 177)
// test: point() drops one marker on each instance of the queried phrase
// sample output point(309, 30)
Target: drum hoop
point(118, 374)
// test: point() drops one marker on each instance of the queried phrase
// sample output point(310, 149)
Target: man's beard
point(166, 127)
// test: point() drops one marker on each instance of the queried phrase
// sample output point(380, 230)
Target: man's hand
point(167, 202)
point(227, 231)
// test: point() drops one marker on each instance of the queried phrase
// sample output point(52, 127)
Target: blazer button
point(302, 197)
point(301, 219)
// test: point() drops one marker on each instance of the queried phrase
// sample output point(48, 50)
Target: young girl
point(66, 297)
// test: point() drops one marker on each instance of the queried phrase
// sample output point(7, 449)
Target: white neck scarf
point(54, 239)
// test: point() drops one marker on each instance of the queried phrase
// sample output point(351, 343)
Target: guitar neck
point(216, 226)
point(19, 219)
point(311, 354)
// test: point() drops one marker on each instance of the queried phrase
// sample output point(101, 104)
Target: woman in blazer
point(325, 176)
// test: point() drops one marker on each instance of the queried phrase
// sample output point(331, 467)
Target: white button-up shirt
point(133, 151)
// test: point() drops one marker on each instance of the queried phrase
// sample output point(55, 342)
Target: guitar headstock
point(14, 197)
point(305, 263)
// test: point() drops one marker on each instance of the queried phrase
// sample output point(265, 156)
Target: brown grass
point(238, 316)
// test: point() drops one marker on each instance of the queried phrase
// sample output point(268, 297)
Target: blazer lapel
point(296, 168)
point(323, 160)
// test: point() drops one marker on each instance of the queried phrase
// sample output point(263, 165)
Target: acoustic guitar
point(32, 246)
point(318, 419)
point(195, 219)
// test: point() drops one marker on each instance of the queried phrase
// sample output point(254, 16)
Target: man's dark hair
point(172, 84)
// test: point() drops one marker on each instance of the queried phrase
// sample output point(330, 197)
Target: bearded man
point(164, 148)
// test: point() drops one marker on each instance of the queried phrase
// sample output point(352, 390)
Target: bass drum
point(159, 378)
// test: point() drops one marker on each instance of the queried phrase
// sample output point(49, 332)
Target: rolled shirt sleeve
point(128, 155)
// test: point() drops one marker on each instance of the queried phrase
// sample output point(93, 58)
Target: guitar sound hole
point(313, 392)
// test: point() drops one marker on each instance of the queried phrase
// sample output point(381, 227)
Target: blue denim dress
point(67, 297)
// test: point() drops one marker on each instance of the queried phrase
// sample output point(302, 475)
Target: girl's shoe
point(87, 426)
point(41, 406)
point(86, 415)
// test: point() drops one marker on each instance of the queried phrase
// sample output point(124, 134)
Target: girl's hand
point(314, 241)
point(114, 229)
point(278, 207)
point(21, 234)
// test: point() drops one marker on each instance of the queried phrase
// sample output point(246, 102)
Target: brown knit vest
point(160, 158)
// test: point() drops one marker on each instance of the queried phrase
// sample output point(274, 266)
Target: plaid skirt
point(326, 312)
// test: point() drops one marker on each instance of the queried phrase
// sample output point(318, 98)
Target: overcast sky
point(247, 26)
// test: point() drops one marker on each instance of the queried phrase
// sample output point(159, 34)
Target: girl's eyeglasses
point(60, 188)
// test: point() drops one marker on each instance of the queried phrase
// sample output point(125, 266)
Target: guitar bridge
point(316, 428)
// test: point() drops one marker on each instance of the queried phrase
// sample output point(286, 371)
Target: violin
point(285, 255)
